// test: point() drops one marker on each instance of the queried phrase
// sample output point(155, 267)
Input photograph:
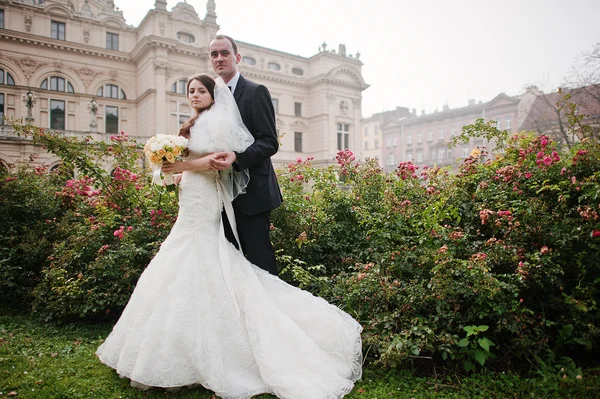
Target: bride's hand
point(177, 179)
point(175, 167)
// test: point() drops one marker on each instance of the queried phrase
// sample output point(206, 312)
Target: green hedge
point(496, 265)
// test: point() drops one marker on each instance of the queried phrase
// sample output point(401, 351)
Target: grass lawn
point(40, 360)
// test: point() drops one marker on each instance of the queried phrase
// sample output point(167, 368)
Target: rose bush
point(507, 246)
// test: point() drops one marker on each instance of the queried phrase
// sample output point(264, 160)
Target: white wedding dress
point(202, 314)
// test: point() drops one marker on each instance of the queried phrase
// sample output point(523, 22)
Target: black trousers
point(254, 232)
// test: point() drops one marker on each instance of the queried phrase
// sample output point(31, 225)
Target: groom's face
point(224, 61)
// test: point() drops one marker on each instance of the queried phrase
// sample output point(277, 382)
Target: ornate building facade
point(78, 67)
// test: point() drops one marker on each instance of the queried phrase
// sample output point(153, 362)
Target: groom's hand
point(222, 160)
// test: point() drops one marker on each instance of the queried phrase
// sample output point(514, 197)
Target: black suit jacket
point(256, 109)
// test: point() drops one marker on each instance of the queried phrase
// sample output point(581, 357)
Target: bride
point(202, 314)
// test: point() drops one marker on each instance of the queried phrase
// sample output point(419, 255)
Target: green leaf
point(483, 328)
point(469, 366)
point(470, 330)
point(481, 357)
point(485, 343)
point(463, 342)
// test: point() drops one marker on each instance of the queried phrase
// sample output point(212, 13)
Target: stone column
point(160, 67)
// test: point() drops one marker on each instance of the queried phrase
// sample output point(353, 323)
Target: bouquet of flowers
point(164, 148)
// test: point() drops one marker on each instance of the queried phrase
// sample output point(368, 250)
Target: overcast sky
point(421, 53)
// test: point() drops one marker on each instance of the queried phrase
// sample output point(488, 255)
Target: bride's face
point(198, 96)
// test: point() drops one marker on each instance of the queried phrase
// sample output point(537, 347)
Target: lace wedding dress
point(202, 314)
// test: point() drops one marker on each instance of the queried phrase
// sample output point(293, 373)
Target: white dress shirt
point(233, 82)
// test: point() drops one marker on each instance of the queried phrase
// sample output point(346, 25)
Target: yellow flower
point(476, 151)
point(177, 151)
point(170, 157)
point(155, 159)
point(161, 153)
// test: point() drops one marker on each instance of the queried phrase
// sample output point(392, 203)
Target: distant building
point(372, 137)
point(92, 73)
point(422, 139)
point(544, 113)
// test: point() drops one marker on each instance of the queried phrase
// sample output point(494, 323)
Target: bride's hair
point(209, 83)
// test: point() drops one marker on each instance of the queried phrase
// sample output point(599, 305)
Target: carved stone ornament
point(28, 19)
point(161, 26)
point(344, 107)
point(86, 34)
point(161, 67)
point(58, 65)
point(87, 75)
point(113, 73)
point(28, 65)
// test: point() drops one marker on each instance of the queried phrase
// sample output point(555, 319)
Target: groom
point(252, 210)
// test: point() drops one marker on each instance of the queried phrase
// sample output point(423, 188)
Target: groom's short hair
point(233, 43)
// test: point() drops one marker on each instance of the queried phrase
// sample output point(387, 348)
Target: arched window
point(56, 83)
point(111, 91)
point(6, 78)
point(179, 87)
point(248, 60)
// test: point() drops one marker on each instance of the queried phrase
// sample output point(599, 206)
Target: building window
point(181, 114)
point(111, 121)
point(185, 37)
point(298, 109)
point(429, 136)
point(395, 141)
point(248, 60)
point(298, 141)
point(275, 104)
point(498, 124)
point(1, 19)
point(376, 144)
point(409, 156)
point(366, 145)
point(6, 78)
point(112, 41)
point(441, 137)
point(366, 131)
point(465, 152)
point(419, 156)
point(441, 153)
point(111, 91)
point(392, 160)
point(179, 87)
point(182, 119)
point(409, 139)
point(507, 123)
point(388, 142)
point(273, 66)
point(57, 114)
point(58, 30)
point(343, 136)
point(56, 83)
point(419, 138)
point(1, 108)
point(453, 132)
point(297, 71)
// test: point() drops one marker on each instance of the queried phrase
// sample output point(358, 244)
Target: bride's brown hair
point(209, 83)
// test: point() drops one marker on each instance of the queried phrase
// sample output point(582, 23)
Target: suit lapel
point(239, 89)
